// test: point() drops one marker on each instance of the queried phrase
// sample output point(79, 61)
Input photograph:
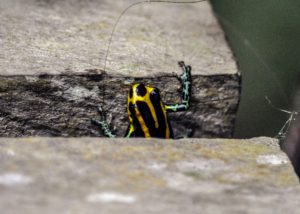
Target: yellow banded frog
point(147, 113)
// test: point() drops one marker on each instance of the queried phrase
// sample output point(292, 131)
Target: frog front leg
point(103, 124)
point(186, 82)
point(130, 131)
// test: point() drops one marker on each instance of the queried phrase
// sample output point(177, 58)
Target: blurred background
point(265, 38)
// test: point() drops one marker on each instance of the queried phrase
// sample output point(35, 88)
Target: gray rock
point(92, 175)
point(65, 105)
point(71, 36)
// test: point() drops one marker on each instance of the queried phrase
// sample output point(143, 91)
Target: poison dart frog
point(147, 113)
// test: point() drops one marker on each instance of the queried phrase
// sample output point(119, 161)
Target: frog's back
point(147, 113)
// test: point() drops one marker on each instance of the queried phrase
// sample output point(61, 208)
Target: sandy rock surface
point(98, 175)
point(71, 36)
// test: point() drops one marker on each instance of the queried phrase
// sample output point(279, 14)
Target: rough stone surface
point(98, 175)
point(52, 65)
point(65, 105)
point(71, 36)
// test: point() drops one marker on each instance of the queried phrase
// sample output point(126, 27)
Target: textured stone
point(65, 105)
point(85, 175)
point(71, 36)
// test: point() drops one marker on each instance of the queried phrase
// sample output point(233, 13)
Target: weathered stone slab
point(52, 59)
point(71, 36)
point(65, 105)
point(55, 175)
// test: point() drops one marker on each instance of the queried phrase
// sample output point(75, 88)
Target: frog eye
point(141, 90)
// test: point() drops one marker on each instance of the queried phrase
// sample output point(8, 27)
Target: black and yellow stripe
point(147, 113)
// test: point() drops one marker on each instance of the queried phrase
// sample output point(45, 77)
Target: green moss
point(266, 173)
point(96, 25)
point(212, 92)
point(234, 149)
point(6, 84)
point(164, 154)
point(142, 180)
point(131, 67)
point(41, 85)
point(194, 175)
point(237, 148)
point(287, 179)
